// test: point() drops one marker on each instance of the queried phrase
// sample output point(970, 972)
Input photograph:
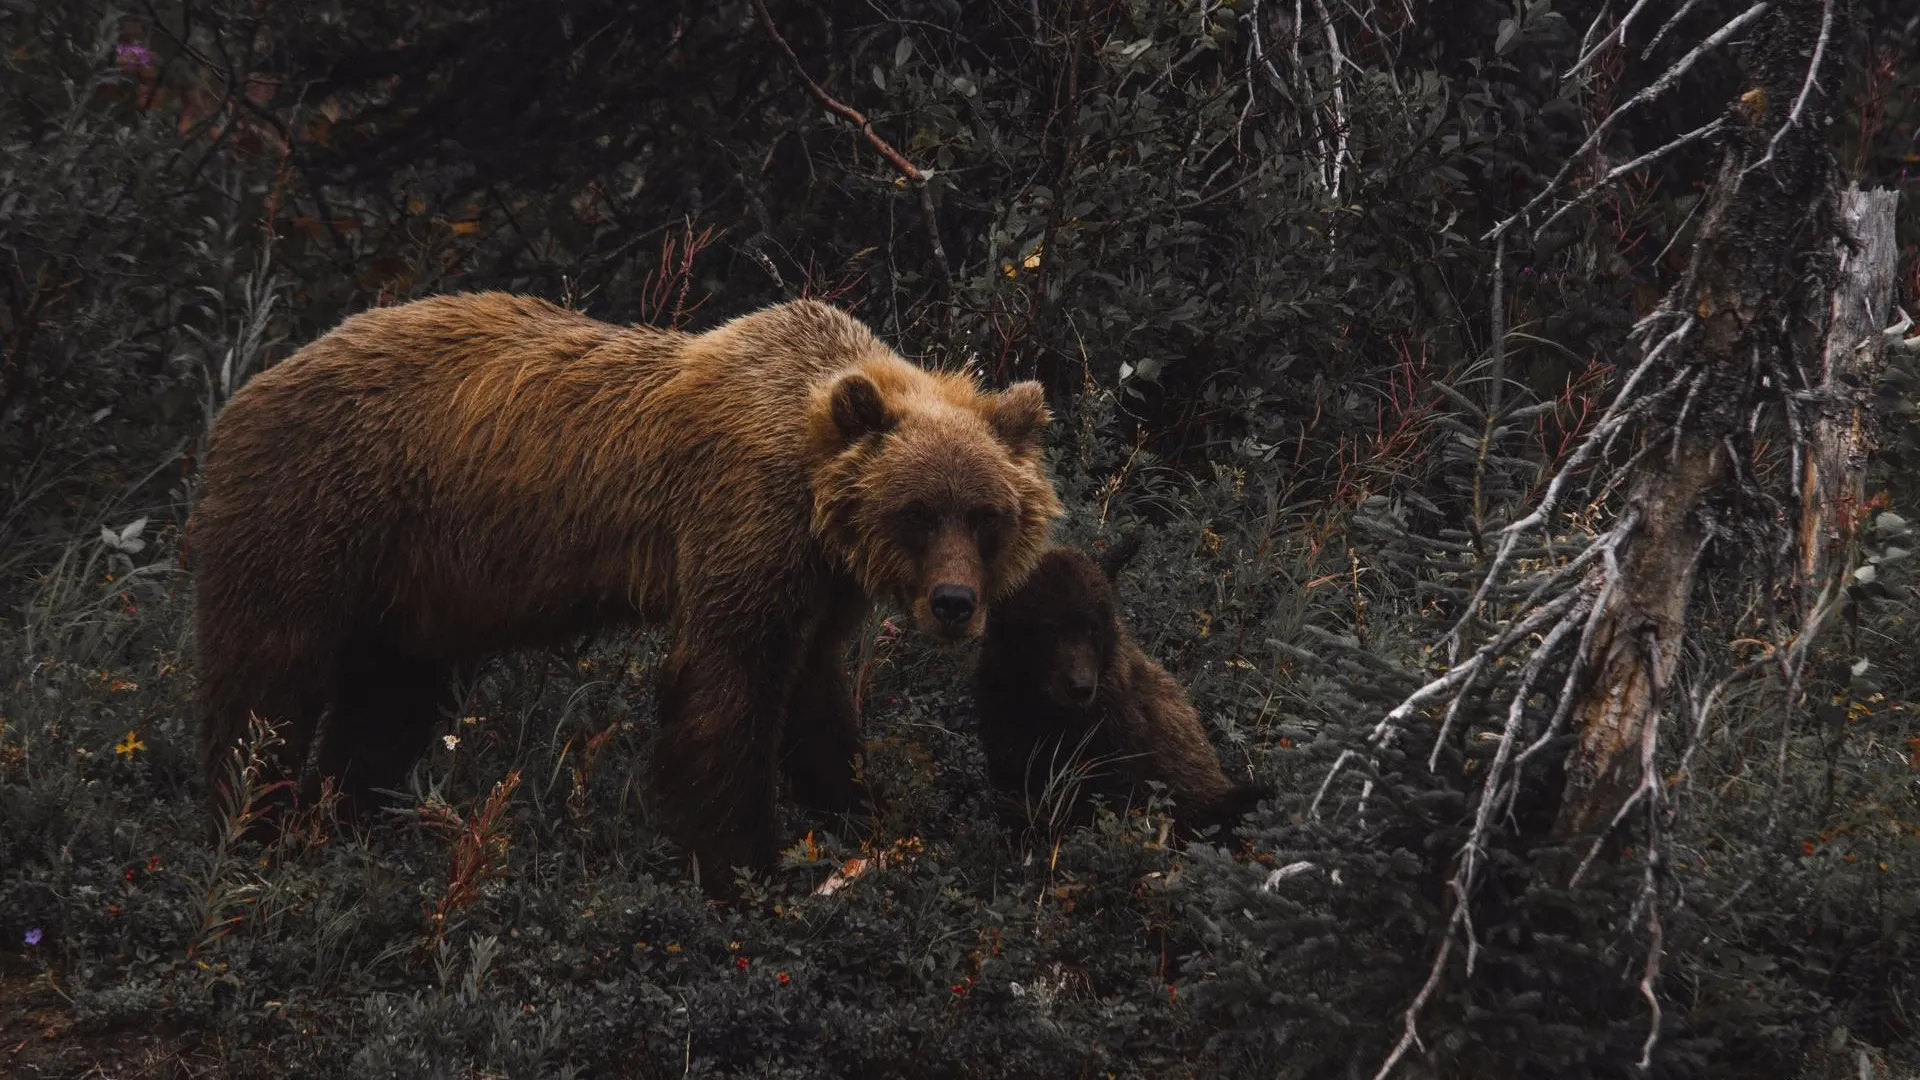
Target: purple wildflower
point(33, 936)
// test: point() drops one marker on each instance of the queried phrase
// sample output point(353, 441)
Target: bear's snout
point(1077, 677)
point(953, 606)
point(1081, 686)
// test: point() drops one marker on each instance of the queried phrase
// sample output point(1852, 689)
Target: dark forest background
point(1246, 245)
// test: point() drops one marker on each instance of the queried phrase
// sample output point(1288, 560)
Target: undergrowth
point(520, 914)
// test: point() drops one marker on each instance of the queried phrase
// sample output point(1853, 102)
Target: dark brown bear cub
point(1070, 707)
point(431, 483)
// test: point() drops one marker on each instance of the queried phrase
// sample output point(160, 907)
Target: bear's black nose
point(1082, 685)
point(952, 604)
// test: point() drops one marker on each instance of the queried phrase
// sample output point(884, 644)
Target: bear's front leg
point(723, 697)
point(821, 737)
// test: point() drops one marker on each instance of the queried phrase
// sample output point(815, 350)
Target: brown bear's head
point(1058, 631)
point(930, 489)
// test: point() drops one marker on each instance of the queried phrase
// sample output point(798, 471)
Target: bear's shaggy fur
point(1070, 707)
point(431, 483)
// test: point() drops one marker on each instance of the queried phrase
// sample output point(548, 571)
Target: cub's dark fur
point(1067, 699)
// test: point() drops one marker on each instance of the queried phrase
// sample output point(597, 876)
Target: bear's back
point(470, 344)
point(451, 454)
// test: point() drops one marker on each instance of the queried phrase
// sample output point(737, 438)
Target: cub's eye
point(918, 516)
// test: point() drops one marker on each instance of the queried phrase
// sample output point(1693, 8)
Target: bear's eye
point(986, 518)
point(918, 516)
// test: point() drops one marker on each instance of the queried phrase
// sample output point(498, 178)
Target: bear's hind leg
point(385, 710)
point(294, 716)
point(247, 672)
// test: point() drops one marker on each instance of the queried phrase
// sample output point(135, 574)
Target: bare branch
point(913, 173)
point(1461, 884)
point(1658, 87)
point(1410, 1030)
point(1898, 330)
point(846, 112)
point(1335, 62)
point(1339, 763)
point(1703, 705)
point(1485, 655)
point(1601, 185)
point(1608, 629)
point(1672, 21)
point(1610, 548)
point(1618, 33)
point(1686, 406)
point(1651, 974)
point(1481, 659)
point(1332, 139)
point(1622, 408)
point(1586, 39)
point(1806, 88)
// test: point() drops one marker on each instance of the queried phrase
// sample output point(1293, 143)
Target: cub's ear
point(858, 410)
point(1020, 416)
point(1119, 554)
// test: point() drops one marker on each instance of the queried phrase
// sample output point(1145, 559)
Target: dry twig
point(913, 174)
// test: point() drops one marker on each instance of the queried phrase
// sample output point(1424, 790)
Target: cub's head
point(1058, 631)
point(930, 489)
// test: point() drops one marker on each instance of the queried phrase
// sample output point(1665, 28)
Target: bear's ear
point(1020, 415)
point(858, 410)
point(1119, 554)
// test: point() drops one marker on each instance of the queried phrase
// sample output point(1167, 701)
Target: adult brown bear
point(1070, 707)
point(434, 482)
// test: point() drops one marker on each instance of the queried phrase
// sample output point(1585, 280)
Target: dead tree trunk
point(1723, 338)
point(1833, 484)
